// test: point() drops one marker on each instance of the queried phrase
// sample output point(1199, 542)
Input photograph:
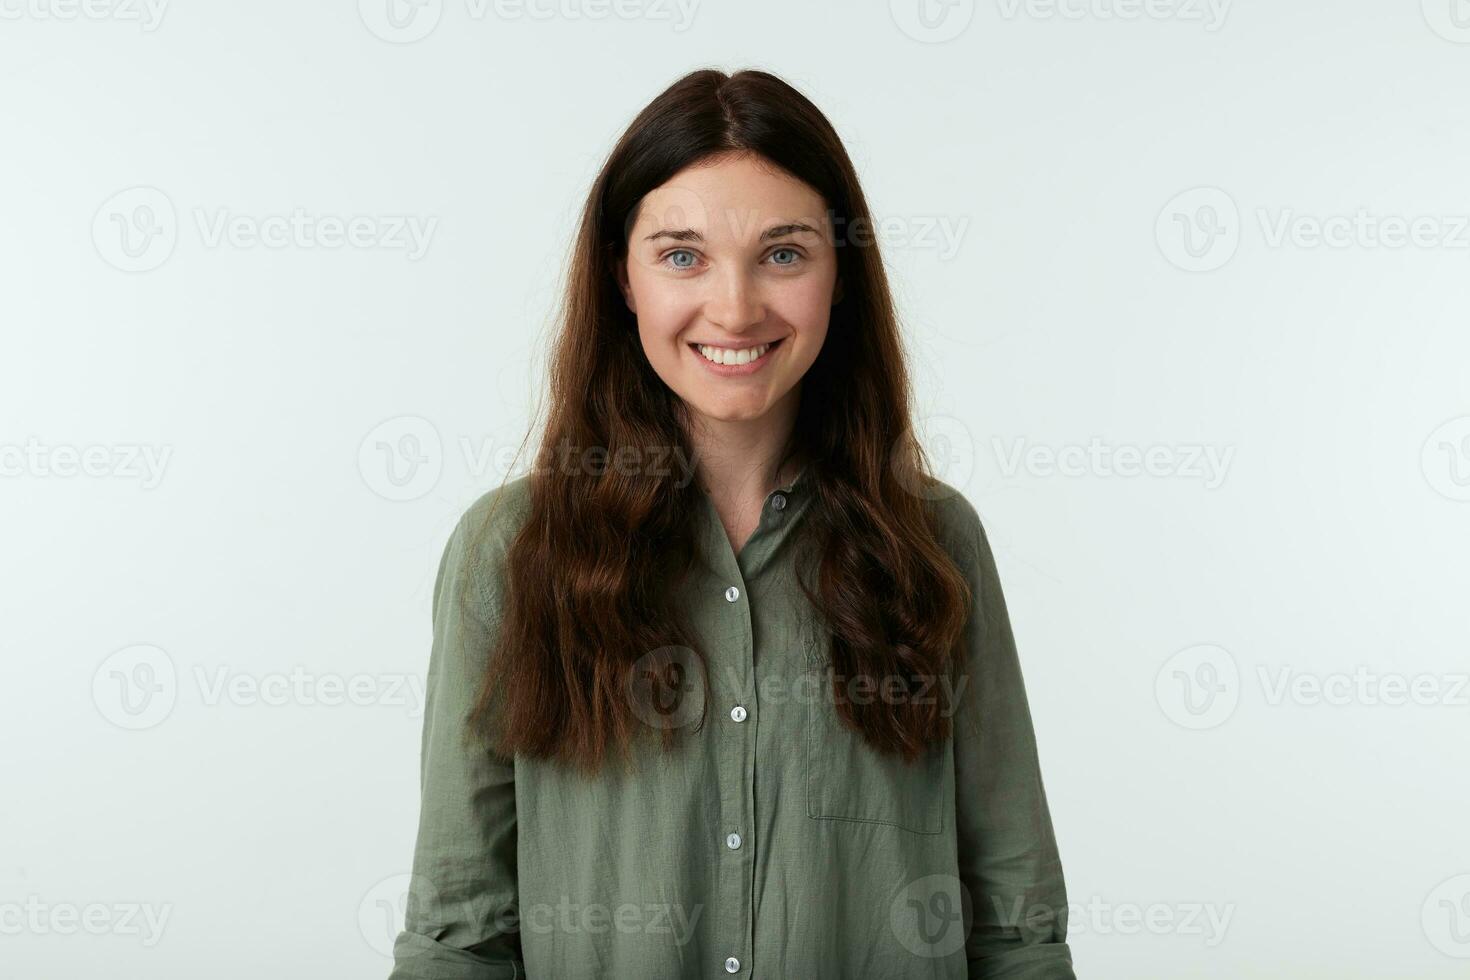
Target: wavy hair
point(591, 576)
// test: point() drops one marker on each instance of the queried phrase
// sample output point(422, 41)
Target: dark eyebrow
point(690, 235)
point(781, 231)
point(681, 235)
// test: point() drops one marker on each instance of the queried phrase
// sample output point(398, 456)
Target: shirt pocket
point(847, 779)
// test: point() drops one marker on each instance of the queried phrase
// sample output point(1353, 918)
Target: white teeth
point(724, 355)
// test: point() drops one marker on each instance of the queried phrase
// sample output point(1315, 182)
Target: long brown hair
point(591, 576)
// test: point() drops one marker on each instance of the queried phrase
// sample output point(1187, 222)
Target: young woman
point(726, 685)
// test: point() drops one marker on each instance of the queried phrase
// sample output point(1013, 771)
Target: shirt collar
point(776, 525)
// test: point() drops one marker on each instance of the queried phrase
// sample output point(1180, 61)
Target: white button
point(779, 501)
point(738, 712)
point(733, 842)
point(731, 594)
point(732, 965)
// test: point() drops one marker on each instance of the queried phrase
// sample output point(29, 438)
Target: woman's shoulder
point(956, 520)
point(486, 528)
point(501, 510)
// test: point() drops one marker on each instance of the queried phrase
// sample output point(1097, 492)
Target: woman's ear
point(620, 271)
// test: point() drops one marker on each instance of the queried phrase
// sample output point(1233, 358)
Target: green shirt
point(773, 843)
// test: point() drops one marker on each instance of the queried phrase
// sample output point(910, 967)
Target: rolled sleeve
point(1007, 850)
point(461, 918)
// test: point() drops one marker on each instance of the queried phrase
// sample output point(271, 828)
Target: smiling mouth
point(733, 357)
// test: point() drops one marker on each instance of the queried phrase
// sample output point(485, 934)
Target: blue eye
point(795, 255)
point(680, 251)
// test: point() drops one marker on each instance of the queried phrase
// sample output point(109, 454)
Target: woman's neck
point(745, 461)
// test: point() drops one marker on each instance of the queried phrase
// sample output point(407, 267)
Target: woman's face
point(736, 258)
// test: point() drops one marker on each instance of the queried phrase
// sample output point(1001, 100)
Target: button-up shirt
point(772, 842)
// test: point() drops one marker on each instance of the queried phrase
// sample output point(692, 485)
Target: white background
point(1212, 823)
